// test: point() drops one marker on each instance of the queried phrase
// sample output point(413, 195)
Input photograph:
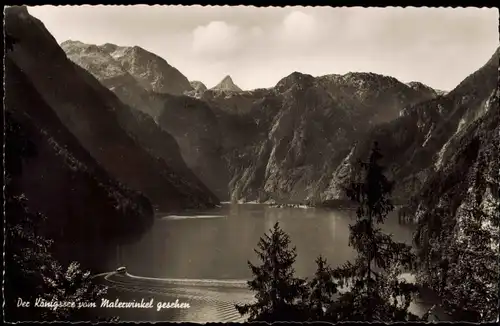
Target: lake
point(196, 252)
point(217, 244)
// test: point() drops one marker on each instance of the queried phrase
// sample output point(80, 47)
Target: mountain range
point(420, 143)
point(134, 121)
point(98, 166)
point(262, 134)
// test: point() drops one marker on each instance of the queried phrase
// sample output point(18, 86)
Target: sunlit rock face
point(198, 89)
point(419, 145)
point(304, 128)
point(282, 143)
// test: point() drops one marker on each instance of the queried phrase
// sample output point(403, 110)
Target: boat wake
point(186, 217)
point(210, 300)
point(191, 282)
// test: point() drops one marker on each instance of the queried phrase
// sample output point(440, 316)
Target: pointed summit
point(227, 84)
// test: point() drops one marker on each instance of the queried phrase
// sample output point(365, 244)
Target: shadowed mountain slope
point(107, 128)
point(276, 143)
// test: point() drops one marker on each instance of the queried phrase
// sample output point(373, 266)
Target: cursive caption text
point(104, 303)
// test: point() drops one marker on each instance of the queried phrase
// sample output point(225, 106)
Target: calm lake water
point(186, 257)
point(217, 244)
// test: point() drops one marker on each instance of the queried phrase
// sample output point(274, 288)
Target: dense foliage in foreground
point(31, 272)
point(369, 288)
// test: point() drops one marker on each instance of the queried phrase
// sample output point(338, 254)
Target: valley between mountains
point(296, 142)
point(100, 137)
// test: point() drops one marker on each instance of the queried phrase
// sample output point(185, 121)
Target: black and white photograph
point(231, 164)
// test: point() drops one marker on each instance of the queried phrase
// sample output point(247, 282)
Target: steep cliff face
point(198, 132)
point(146, 105)
point(306, 126)
point(467, 163)
point(291, 137)
point(426, 135)
point(192, 124)
point(108, 129)
point(86, 208)
point(210, 136)
point(468, 166)
point(281, 143)
point(457, 211)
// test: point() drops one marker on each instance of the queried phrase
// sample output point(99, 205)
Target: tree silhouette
point(376, 293)
point(279, 294)
point(31, 271)
point(322, 289)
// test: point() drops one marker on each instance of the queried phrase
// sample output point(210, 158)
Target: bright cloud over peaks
point(258, 46)
point(217, 39)
point(299, 27)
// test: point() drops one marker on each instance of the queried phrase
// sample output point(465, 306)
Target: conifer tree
point(279, 294)
point(322, 289)
point(374, 294)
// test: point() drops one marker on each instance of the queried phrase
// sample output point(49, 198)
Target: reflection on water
point(216, 244)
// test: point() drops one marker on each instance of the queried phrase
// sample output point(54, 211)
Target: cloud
point(217, 39)
point(256, 31)
point(299, 27)
point(258, 46)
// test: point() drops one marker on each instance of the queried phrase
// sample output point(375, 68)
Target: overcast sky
point(259, 46)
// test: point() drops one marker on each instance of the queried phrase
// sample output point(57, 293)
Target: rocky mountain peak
point(418, 85)
point(138, 52)
point(198, 85)
point(151, 71)
point(295, 78)
point(370, 79)
point(227, 84)
point(109, 47)
point(422, 88)
point(76, 47)
point(198, 89)
point(135, 53)
point(71, 43)
point(95, 59)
